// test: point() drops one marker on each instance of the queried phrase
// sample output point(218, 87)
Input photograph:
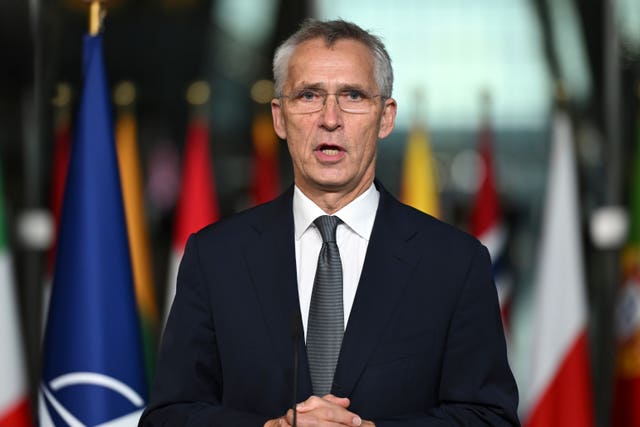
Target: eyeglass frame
point(325, 95)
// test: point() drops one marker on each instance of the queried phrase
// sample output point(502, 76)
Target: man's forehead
point(346, 62)
point(321, 43)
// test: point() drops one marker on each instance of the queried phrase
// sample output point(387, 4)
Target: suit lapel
point(269, 257)
point(385, 274)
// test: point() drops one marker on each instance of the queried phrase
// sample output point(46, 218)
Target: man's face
point(332, 151)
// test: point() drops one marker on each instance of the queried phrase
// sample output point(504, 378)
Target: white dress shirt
point(352, 238)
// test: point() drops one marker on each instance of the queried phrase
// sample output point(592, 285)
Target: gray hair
point(332, 31)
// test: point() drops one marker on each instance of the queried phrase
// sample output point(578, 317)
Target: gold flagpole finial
point(96, 14)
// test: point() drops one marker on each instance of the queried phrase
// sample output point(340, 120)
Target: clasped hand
point(327, 411)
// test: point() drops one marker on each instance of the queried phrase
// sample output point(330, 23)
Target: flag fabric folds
point(14, 399)
point(626, 408)
point(418, 187)
point(266, 175)
point(486, 221)
point(93, 370)
point(133, 194)
point(559, 391)
point(198, 200)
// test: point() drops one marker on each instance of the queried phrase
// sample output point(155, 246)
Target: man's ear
point(388, 118)
point(278, 118)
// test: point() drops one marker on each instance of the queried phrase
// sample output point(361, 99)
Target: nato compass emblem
point(80, 399)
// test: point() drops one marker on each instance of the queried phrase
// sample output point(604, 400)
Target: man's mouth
point(329, 150)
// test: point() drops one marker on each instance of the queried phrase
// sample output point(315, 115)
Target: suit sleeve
point(187, 389)
point(476, 386)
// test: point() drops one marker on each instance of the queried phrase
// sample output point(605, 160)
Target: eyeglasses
point(313, 100)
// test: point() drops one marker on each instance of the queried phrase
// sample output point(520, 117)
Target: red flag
point(266, 165)
point(59, 168)
point(198, 201)
point(486, 212)
point(486, 220)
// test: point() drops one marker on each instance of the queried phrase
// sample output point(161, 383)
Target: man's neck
point(332, 201)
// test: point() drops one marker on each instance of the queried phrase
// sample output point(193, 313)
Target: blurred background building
point(467, 73)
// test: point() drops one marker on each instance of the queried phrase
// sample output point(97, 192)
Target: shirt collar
point(358, 215)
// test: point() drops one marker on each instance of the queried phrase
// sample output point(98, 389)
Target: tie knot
point(327, 225)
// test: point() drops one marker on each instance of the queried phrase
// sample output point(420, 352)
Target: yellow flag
point(419, 185)
point(133, 196)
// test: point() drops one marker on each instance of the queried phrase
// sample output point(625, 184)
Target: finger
point(288, 419)
point(285, 421)
point(343, 417)
point(278, 422)
point(313, 419)
point(341, 401)
point(314, 402)
point(328, 414)
point(310, 404)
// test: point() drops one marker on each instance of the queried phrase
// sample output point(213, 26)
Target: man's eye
point(353, 95)
point(307, 95)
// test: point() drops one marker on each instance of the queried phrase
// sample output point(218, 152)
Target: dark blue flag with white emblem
point(93, 372)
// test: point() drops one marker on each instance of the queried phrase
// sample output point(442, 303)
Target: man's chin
point(339, 186)
point(333, 185)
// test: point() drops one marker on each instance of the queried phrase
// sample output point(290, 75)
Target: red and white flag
point(198, 201)
point(559, 390)
point(486, 221)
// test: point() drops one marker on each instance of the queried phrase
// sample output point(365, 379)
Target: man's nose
point(331, 111)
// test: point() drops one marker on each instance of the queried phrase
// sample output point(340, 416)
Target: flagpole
point(609, 278)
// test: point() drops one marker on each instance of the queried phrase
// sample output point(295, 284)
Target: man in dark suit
point(420, 337)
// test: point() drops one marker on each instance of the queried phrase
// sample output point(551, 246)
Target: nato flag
point(93, 367)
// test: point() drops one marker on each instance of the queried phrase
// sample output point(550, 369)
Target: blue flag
point(93, 372)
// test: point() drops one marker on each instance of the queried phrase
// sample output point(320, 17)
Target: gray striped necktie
point(326, 319)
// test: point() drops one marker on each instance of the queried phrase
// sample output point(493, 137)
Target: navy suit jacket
point(423, 344)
